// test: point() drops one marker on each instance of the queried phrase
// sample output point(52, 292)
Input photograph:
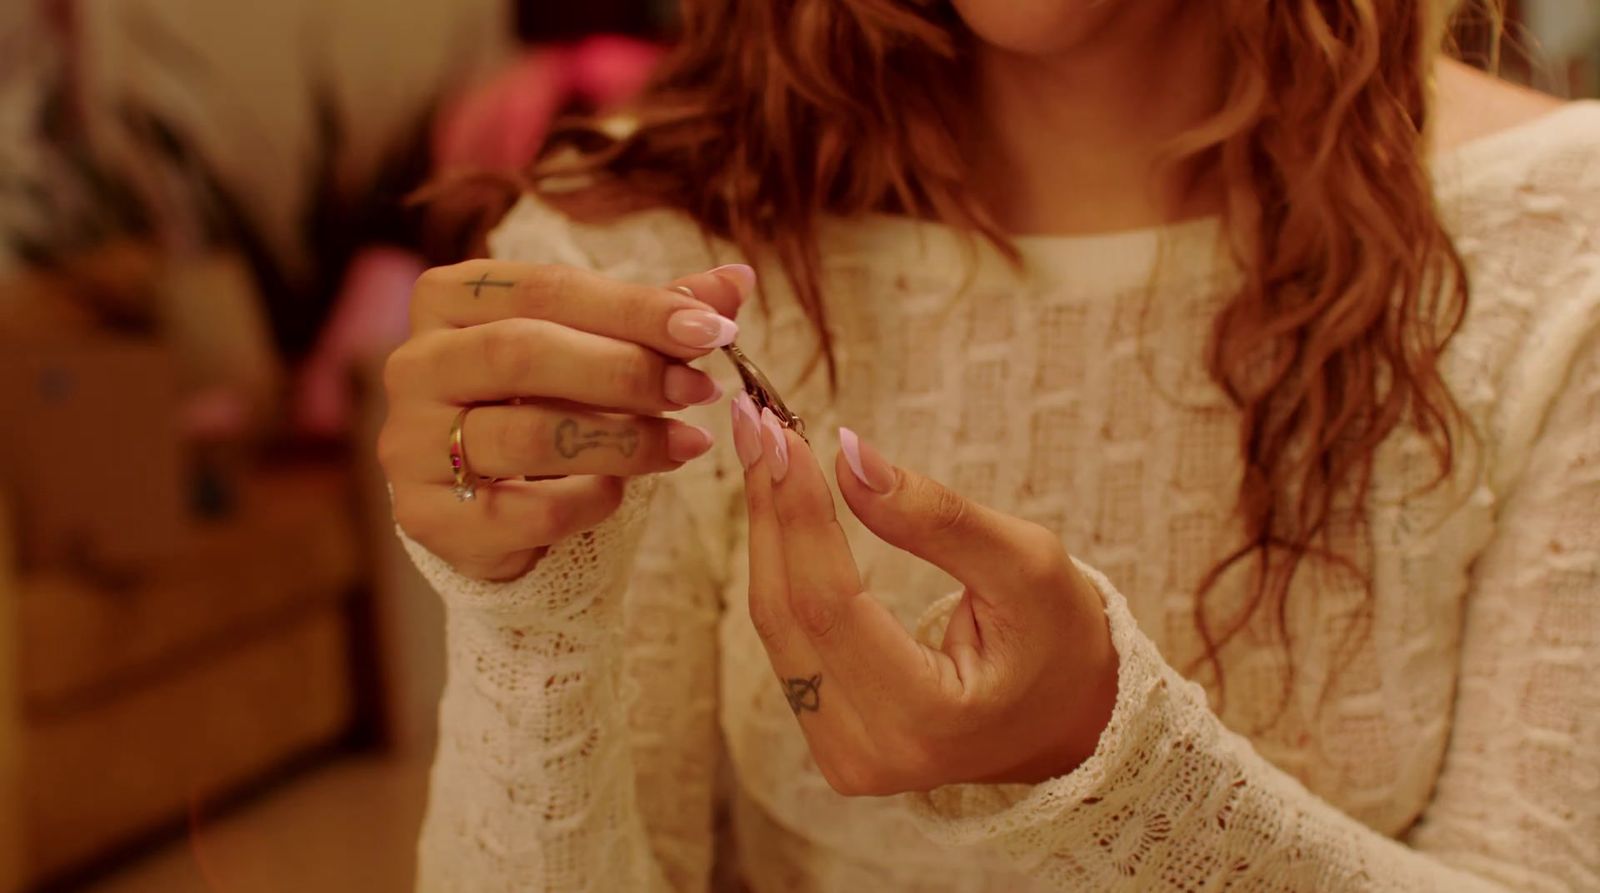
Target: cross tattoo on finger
point(483, 282)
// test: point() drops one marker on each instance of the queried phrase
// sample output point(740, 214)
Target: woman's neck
point(1070, 144)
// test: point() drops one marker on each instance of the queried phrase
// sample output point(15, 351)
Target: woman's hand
point(1025, 680)
point(568, 374)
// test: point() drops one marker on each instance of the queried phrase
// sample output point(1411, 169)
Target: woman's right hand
point(591, 363)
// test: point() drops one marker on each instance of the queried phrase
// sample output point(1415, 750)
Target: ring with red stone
point(465, 487)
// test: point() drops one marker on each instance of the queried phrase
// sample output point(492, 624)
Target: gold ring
point(466, 483)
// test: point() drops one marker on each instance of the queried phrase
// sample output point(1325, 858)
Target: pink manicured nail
point(746, 430)
point(686, 441)
point(871, 469)
point(701, 329)
point(744, 275)
point(690, 387)
point(777, 446)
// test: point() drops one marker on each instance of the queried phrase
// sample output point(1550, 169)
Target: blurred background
point(217, 671)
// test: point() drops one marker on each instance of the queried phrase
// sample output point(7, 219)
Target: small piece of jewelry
point(757, 385)
point(466, 483)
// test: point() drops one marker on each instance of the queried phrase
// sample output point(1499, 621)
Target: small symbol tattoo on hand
point(483, 282)
point(571, 440)
point(803, 694)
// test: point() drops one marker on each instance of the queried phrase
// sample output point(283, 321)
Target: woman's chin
point(1037, 27)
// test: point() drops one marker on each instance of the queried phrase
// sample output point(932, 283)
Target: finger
point(510, 358)
point(544, 439)
point(836, 731)
point(859, 640)
point(500, 533)
point(971, 542)
point(672, 322)
point(814, 545)
point(769, 575)
point(799, 667)
point(725, 289)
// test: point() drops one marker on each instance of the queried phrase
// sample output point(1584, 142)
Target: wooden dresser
point(125, 703)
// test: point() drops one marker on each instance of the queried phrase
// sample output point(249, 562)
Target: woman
point(1180, 290)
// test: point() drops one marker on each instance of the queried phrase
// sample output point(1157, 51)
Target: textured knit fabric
point(611, 722)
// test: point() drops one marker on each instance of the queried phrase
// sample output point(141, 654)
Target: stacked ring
point(465, 487)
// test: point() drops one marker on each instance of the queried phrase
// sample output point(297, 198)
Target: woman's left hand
point(1024, 682)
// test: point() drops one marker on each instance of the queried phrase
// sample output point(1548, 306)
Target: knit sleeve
point(1171, 795)
point(577, 745)
point(1519, 797)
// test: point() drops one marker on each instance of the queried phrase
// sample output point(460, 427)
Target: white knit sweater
point(611, 722)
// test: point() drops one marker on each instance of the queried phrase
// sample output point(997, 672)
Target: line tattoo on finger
point(804, 693)
point(483, 282)
point(571, 439)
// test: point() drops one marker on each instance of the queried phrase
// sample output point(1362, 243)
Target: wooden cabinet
point(125, 704)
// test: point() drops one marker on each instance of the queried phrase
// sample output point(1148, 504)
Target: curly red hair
point(770, 115)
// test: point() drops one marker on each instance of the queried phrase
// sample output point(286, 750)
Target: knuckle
point(543, 289)
point(806, 512)
point(638, 315)
point(535, 301)
point(758, 500)
point(547, 285)
point(816, 614)
point(510, 348)
point(399, 369)
point(948, 512)
point(766, 620)
point(974, 710)
point(518, 434)
point(548, 520)
point(637, 374)
point(389, 448)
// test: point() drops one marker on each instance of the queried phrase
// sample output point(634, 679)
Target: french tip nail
point(746, 429)
point(746, 275)
point(850, 445)
point(780, 444)
point(746, 406)
point(717, 393)
point(686, 440)
point(728, 331)
point(704, 431)
point(701, 329)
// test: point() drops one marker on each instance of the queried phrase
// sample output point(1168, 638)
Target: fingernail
point(870, 468)
point(701, 328)
point(690, 387)
point(743, 275)
point(686, 441)
point(777, 446)
point(746, 430)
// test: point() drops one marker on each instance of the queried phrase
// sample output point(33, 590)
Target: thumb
point(979, 546)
